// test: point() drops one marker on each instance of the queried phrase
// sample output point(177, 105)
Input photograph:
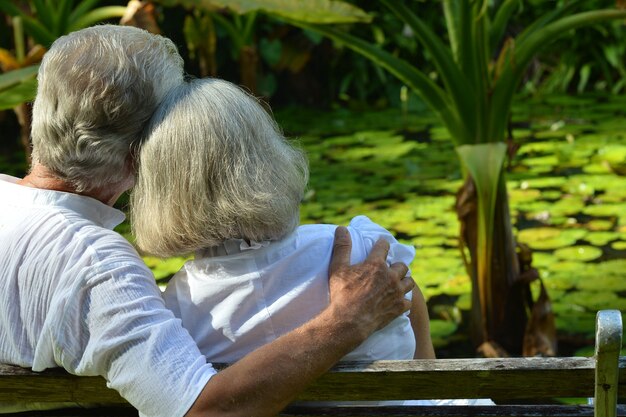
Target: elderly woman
point(75, 294)
point(218, 179)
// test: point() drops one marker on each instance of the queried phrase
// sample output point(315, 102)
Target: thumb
point(342, 248)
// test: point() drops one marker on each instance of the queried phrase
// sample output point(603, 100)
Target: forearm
point(421, 326)
point(266, 380)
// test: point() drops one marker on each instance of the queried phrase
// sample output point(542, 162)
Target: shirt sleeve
point(397, 339)
point(365, 232)
point(113, 323)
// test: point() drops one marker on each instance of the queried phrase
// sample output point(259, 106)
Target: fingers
point(342, 248)
point(399, 270)
point(379, 251)
point(407, 284)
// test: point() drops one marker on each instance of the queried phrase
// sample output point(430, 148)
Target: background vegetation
point(376, 149)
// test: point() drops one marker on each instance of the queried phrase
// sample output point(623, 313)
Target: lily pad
point(603, 283)
point(567, 266)
point(598, 168)
point(577, 323)
point(613, 154)
point(543, 238)
point(464, 302)
point(599, 224)
point(605, 210)
point(601, 238)
point(459, 284)
point(518, 196)
point(546, 182)
point(594, 301)
point(543, 259)
point(560, 281)
point(578, 253)
point(440, 330)
point(621, 245)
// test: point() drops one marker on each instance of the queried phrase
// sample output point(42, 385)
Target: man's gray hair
point(97, 89)
point(214, 167)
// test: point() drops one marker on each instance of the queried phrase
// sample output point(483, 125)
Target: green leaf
point(44, 13)
point(550, 17)
point(501, 20)
point(95, 16)
point(528, 46)
point(62, 16)
point(578, 253)
point(484, 163)
point(309, 11)
point(20, 93)
point(39, 32)
point(12, 78)
point(82, 8)
point(461, 91)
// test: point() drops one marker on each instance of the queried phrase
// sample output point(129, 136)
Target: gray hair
point(214, 167)
point(97, 88)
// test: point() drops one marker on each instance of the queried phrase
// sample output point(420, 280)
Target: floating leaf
point(598, 168)
point(458, 285)
point(440, 330)
point(464, 302)
point(605, 210)
point(579, 253)
point(619, 245)
point(594, 301)
point(547, 182)
point(519, 196)
point(577, 323)
point(541, 161)
point(599, 282)
point(550, 238)
point(601, 238)
point(599, 224)
point(567, 266)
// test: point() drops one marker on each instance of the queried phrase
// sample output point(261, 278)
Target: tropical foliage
point(473, 100)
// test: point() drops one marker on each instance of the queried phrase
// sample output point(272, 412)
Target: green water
point(567, 187)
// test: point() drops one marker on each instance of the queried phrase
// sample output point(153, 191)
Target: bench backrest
point(506, 380)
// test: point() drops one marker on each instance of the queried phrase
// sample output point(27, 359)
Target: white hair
point(97, 88)
point(214, 167)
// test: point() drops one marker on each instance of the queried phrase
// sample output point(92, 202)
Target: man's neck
point(42, 178)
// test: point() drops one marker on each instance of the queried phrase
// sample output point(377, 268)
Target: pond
point(567, 186)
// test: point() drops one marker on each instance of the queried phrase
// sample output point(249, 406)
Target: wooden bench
point(520, 386)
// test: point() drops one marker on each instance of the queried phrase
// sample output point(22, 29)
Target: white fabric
point(75, 294)
point(233, 298)
point(239, 296)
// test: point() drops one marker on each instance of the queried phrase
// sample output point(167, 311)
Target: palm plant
point(480, 71)
point(238, 18)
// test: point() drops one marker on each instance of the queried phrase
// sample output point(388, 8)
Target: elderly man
point(75, 294)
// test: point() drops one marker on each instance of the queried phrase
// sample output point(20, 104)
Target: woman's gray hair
point(214, 167)
point(97, 88)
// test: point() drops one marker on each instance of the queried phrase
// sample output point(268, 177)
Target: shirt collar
point(90, 208)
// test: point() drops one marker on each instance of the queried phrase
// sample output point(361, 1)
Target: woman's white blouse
point(243, 296)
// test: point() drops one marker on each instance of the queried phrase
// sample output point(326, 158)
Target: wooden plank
point(608, 345)
point(53, 385)
point(450, 411)
point(510, 378)
point(80, 412)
